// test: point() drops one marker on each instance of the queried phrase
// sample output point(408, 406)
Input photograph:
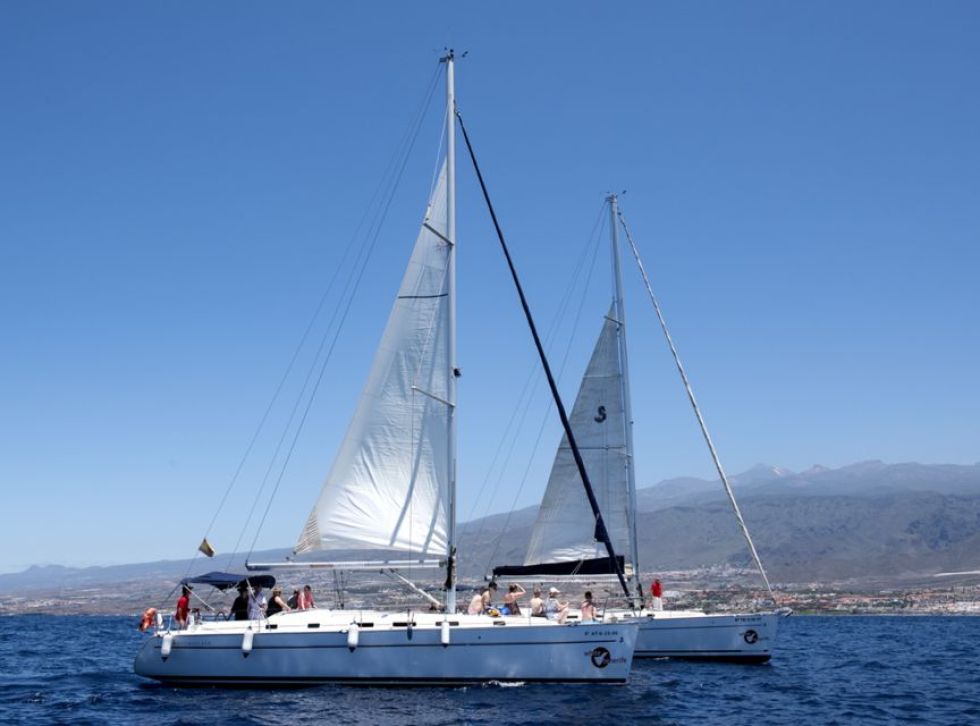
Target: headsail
point(565, 525)
point(389, 485)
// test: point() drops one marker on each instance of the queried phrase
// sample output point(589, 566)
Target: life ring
point(149, 616)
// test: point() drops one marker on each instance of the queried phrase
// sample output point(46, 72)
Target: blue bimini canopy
point(225, 580)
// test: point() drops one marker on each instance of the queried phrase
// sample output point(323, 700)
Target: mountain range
point(866, 520)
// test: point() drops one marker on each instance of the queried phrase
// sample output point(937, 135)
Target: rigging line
point(544, 418)
point(694, 405)
point(343, 319)
point(592, 242)
point(442, 139)
point(299, 399)
point(391, 179)
point(601, 533)
point(392, 164)
point(523, 404)
point(306, 411)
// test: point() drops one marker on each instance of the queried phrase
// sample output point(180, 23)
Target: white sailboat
point(562, 545)
point(392, 488)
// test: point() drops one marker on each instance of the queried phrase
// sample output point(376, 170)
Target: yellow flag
point(206, 548)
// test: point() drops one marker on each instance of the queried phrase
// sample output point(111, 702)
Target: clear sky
point(178, 182)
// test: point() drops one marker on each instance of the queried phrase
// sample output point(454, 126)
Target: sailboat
point(562, 544)
point(392, 487)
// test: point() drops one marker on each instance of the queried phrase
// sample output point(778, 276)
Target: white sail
point(565, 525)
point(389, 485)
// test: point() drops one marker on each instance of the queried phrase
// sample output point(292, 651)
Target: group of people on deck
point(551, 607)
point(251, 603)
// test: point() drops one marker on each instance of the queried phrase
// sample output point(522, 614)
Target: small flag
point(206, 548)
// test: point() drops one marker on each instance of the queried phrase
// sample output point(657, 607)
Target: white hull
point(692, 634)
point(315, 647)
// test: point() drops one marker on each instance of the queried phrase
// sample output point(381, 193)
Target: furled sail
point(388, 488)
point(565, 525)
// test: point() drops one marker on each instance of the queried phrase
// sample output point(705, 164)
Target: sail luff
point(620, 305)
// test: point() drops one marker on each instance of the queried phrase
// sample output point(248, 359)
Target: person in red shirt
point(306, 599)
point(657, 592)
point(183, 607)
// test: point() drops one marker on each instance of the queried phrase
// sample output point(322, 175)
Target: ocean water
point(826, 670)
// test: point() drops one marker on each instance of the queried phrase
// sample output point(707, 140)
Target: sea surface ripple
point(826, 670)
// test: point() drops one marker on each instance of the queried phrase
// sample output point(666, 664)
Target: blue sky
point(178, 182)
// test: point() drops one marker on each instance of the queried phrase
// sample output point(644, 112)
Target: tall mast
point(627, 403)
point(451, 337)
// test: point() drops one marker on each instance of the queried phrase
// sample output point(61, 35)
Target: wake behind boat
point(392, 487)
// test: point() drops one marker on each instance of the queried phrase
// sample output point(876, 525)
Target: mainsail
point(388, 488)
point(565, 525)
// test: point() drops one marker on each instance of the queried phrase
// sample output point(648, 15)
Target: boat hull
point(477, 652)
point(693, 635)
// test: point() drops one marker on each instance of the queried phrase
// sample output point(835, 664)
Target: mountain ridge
point(861, 520)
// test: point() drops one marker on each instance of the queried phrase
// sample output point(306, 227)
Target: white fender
point(444, 634)
point(166, 645)
point(352, 636)
point(159, 620)
point(247, 642)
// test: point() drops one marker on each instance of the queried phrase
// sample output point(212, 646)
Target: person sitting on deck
point(514, 593)
point(553, 609)
point(537, 604)
point(488, 592)
point(306, 599)
point(277, 604)
point(183, 607)
point(476, 603)
point(293, 601)
point(588, 608)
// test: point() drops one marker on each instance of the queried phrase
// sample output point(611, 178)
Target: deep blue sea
point(826, 670)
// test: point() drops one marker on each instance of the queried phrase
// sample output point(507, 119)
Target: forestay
point(389, 485)
point(565, 525)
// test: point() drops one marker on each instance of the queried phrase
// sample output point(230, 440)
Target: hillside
point(867, 520)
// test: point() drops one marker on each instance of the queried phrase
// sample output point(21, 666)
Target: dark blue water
point(826, 670)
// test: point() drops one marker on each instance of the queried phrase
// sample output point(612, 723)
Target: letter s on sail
point(601, 415)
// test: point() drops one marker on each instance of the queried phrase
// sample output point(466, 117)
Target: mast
point(627, 403)
point(451, 336)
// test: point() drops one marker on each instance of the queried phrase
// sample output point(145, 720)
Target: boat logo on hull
point(750, 636)
point(601, 657)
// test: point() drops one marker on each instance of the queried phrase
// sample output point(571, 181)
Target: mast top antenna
point(450, 54)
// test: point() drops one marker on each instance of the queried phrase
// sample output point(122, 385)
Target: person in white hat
point(553, 609)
